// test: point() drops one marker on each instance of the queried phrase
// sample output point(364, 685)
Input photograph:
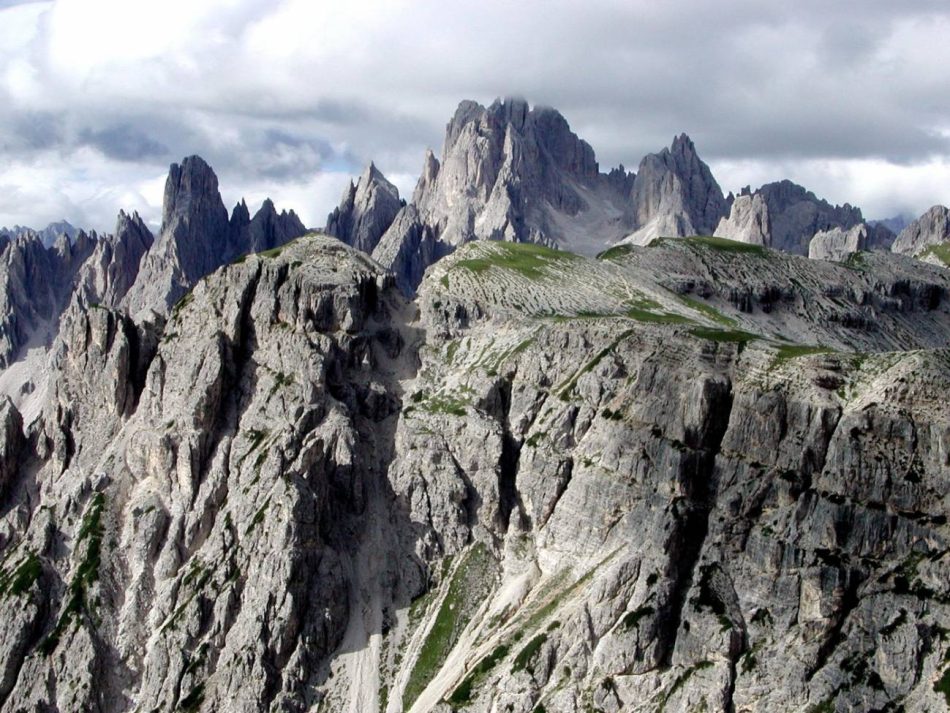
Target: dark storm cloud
point(30, 131)
point(124, 142)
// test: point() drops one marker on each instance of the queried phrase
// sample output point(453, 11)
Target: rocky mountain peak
point(366, 210)
point(930, 229)
point(508, 172)
point(48, 235)
point(191, 193)
point(268, 229)
point(240, 215)
point(795, 216)
point(675, 194)
point(748, 218)
point(683, 147)
point(197, 236)
point(512, 111)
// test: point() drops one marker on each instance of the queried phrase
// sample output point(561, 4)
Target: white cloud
point(292, 97)
point(881, 189)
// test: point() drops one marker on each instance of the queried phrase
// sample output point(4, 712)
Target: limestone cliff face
point(37, 282)
point(701, 473)
point(675, 195)
point(837, 244)
point(786, 216)
point(190, 471)
point(197, 237)
point(366, 211)
point(748, 221)
point(514, 173)
point(507, 172)
point(932, 229)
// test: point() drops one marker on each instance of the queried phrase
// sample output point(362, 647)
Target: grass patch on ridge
point(526, 259)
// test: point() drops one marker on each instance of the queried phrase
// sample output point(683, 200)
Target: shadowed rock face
point(675, 195)
point(196, 236)
point(792, 216)
point(48, 235)
point(519, 174)
point(366, 211)
point(193, 239)
point(701, 473)
point(837, 244)
point(37, 283)
point(507, 172)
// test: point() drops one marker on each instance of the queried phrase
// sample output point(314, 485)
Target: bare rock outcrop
point(748, 221)
point(929, 230)
point(35, 284)
point(675, 195)
point(700, 473)
point(794, 214)
point(507, 172)
point(197, 236)
point(113, 267)
point(366, 211)
point(837, 244)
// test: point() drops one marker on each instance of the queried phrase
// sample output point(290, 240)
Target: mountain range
point(538, 438)
point(514, 173)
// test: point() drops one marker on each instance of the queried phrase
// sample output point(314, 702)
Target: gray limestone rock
point(675, 195)
point(48, 235)
point(197, 237)
point(693, 474)
point(748, 221)
point(111, 270)
point(930, 229)
point(794, 214)
point(508, 172)
point(192, 242)
point(837, 244)
point(366, 211)
point(267, 230)
point(36, 284)
point(696, 475)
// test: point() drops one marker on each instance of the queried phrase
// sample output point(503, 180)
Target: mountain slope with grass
point(694, 474)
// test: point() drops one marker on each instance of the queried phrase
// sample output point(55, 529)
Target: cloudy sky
point(290, 98)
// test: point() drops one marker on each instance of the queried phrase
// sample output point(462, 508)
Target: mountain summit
point(518, 173)
point(507, 172)
point(675, 194)
point(197, 237)
point(696, 474)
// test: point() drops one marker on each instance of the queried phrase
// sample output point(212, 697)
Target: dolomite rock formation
point(36, 282)
point(366, 211)
point(837, 244)
point(197, 237)
point(267, 230)
point(507, 172)
point(675, 195)
point(748, 221)
point(693, 474)
point(48, 235)
point(110, 271)
point(696, 475)
point(930, 229)
point(785, 216)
